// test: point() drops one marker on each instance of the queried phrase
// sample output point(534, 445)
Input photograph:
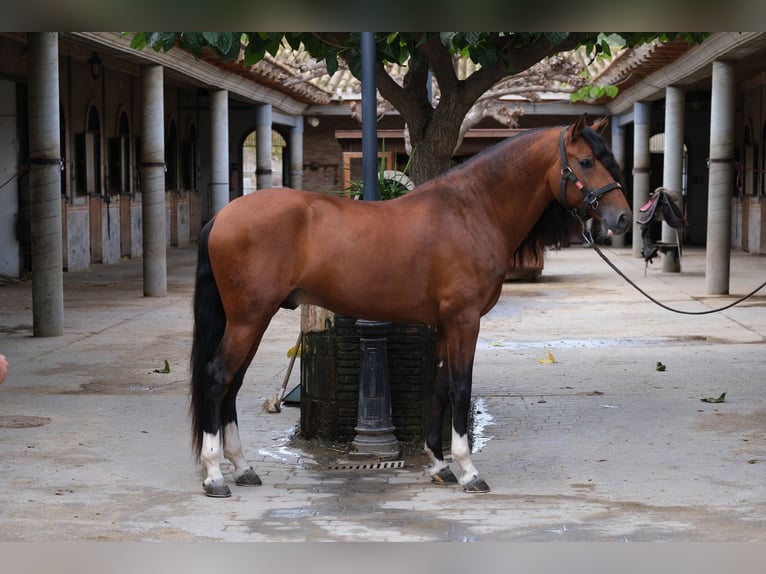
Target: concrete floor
point(597, 446)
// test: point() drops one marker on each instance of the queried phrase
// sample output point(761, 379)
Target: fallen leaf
point(291, 351)
point(165, 370)
point(720, 399)
point(659, 366)
point(548, 359)
point(497, 343)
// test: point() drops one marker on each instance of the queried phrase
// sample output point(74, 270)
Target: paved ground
point(596, 446)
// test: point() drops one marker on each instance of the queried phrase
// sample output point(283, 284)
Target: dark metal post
point(375, 431)
point(369, 119)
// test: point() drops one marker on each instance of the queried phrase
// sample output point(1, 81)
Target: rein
point(590, 196)
point(590, 200)
point(589, 240)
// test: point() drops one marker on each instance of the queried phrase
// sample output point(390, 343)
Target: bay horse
point(436, 256)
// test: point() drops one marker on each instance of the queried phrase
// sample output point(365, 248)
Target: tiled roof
point(631, 66)
point(554, 75)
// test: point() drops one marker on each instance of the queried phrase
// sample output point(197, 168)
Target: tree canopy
point(434, 130)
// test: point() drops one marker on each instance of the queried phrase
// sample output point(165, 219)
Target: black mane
point(557, 225)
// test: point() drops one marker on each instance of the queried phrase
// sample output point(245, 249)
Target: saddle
point(660, 207)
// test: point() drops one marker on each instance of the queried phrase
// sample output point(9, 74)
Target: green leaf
point(211, 38)
point(720, 399)
point(224, 43)
point(331, 61)
point(192, 41)
point(139, 41)
point(165, 370)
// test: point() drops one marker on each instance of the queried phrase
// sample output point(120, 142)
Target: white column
point(153, 183)
point(618, 150)
point(296, 154)
point(219, 150)
point(673, 165)
point(721, 178)
point(263, 122)
point(641, 167)
point(45, 185)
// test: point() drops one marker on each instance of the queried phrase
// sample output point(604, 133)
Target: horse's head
point(590, 181)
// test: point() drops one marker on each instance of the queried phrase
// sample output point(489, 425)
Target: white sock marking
point(461, 454)
point(211, 457)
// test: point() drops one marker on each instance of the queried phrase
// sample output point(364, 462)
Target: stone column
point(721, 179)
point(153, 183)
point(263, 121)
point(618, 150)
point(219, 150)
point(296, 154)
point(673, 167)
point(641, 167)
point(45, 185)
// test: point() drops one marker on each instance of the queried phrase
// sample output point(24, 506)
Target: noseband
point(590, 196)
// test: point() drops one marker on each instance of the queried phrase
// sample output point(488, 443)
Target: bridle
point(590, 196)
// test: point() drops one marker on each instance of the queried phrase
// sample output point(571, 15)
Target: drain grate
point(369, 466)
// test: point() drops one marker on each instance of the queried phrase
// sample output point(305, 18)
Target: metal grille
point(368, 466)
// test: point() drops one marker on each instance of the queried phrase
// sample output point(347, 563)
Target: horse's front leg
point(461, 336)
point(461, 447)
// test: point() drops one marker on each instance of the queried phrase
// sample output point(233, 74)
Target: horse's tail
point(209, 325)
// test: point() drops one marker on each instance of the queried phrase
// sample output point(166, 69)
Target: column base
point(378, 446)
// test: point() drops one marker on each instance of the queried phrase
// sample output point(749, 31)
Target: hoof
point(248, 478)
point(217, 490)
point(444, 476)
point(476, 486)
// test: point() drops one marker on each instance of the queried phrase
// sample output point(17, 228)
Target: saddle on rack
point(660, 207)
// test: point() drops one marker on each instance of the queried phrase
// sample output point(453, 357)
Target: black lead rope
point(591, 243)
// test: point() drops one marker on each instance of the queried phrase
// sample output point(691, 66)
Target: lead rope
point(589, 240)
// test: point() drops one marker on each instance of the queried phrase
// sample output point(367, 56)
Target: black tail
point(209, 325)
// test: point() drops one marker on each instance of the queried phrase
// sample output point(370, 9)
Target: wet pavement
point(579, 435)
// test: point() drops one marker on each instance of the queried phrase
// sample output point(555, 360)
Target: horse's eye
point(586, 162)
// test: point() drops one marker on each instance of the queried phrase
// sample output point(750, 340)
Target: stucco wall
point(9, 196)
point(78, 238)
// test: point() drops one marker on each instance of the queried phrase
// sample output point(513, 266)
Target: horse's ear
point(577, 127)
point(599, 126)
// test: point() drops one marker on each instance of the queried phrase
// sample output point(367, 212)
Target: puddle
point(576, 343)
point(481, 420)
point(124, 388)
point(22, 422)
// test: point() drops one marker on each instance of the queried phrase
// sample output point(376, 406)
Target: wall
point(10, 257)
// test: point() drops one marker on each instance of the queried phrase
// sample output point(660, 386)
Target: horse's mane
point(557, 225)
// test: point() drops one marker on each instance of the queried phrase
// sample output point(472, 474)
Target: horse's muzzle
point(617, 221)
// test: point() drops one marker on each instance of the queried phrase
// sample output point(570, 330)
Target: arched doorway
point(88, 158)
point(120, 182)
point(280, 173)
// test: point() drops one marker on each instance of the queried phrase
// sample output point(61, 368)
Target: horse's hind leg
point(226, 372)
point(440, 471)
point(244, 474)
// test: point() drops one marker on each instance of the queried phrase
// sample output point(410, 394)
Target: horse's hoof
point(217, 490)
point(248, 478)
point(476, 486)
point(444, 476)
